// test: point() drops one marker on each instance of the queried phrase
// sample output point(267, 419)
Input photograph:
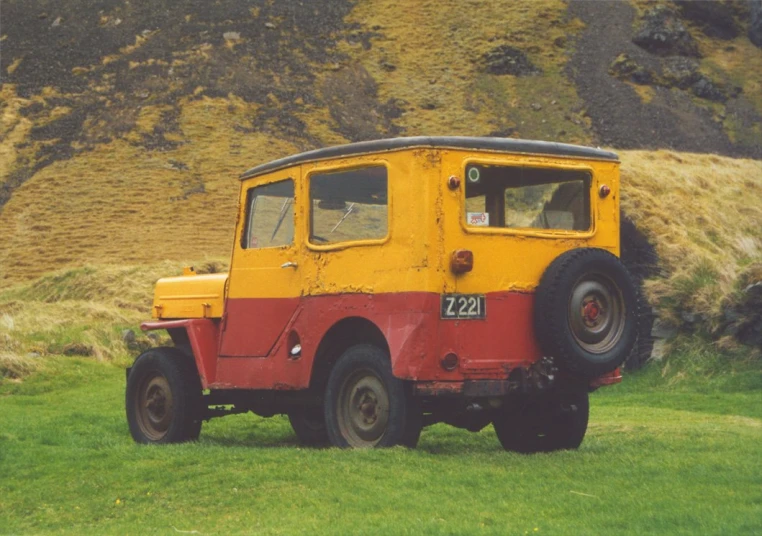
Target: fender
point(203, 336)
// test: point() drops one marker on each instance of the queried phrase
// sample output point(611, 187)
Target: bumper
point(497, 388)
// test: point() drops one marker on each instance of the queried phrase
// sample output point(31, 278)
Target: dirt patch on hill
point(620, 117)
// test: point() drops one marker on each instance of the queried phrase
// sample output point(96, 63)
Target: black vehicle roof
point(500, 145)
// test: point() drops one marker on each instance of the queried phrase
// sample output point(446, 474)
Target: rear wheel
point(556, 421)
point(309, 426)
point(163, 398)
point(366, 406)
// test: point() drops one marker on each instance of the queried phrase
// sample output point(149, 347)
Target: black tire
point(366, 406)
point(586, 312)
point(556, 421)
point(309, 426)
point(164, 397)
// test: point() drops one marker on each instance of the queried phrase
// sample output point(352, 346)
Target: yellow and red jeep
point(379, 287)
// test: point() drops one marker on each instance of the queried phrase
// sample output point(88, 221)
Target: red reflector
point(604, 191)
point(462, 261)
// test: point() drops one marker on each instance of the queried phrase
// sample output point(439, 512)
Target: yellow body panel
point(190, 296)
point(426, 224)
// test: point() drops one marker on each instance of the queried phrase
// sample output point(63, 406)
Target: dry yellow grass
point(122, 204)
point(704, 215)
point(78, 311)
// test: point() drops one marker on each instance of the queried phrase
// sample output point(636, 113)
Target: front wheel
point(366, 406)
point(555, 421)
point(163, 398)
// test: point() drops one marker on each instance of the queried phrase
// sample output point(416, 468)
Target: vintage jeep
point(379, 287)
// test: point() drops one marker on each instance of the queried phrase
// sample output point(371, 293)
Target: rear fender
point(203, 338)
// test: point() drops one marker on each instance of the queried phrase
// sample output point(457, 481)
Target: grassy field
point(667, 452)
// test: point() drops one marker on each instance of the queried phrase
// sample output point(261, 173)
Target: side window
point(348, 205)
point(527, 198)
point(269, 216)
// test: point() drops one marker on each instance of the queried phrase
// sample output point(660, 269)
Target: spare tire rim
point(155, 406)
point(363, 409)
point(596, 313)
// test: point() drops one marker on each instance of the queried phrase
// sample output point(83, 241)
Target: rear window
point(527, 198)
point(349, 205)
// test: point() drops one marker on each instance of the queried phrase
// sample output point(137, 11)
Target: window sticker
point(478, 219)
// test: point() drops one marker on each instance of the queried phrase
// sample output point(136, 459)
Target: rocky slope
point(124, 124)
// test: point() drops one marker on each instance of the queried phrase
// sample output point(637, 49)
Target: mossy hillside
point(130, 154)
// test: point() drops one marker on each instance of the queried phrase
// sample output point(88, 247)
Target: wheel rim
point(596, 314)
point(154, 406)
point(363, 409)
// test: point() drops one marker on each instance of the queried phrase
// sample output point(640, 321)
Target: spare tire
point(586, 312)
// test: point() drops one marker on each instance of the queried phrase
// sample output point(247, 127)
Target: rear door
point(264, 286)
point(514, 214)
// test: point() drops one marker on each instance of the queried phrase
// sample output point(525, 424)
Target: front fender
point(203, 337)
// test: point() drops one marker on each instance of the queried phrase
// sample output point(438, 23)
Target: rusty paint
point(607, 379)
point(438, 388)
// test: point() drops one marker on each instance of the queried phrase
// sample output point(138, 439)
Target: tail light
point(462, 261)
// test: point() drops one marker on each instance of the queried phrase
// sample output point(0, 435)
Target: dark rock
point(128, 336)
point(625, 68)
point(508, 60)
point(662, 330)
point(662, 33)
point(753, 291)
point(679, 72)
point(730, 330)
point(502, 133)
point(706, 89)
point(388, 67)
point(714, 18)
point(77, 348)
point(642, 77)
point(560, 41)
point(622, 66)
point(755, 24)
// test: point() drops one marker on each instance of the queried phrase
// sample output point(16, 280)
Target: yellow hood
point(190, 296)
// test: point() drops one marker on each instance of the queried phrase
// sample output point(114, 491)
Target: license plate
point(463, 306)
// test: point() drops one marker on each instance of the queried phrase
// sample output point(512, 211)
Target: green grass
point(667, 452)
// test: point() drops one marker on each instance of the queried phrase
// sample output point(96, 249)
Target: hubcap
point(363, 409)
point(596, 313)
point(155, 407)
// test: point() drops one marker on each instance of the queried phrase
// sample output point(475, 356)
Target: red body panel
point(252, 329)
point(203, 336)
point(417, 338)
point(487, 349)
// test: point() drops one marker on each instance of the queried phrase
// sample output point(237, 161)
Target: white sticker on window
point(479, 219)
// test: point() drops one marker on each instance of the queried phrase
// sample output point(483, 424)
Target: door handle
point(289, 264)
